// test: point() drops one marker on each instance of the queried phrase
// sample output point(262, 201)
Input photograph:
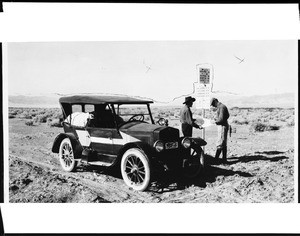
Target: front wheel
point(194, 165)
point(135, 169)
point(66, 155)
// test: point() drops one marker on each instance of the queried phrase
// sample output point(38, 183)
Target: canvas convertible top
point(97, 99)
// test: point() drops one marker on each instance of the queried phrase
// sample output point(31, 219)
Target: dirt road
point(260, 168)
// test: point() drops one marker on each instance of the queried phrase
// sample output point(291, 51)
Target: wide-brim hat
point(189, 99)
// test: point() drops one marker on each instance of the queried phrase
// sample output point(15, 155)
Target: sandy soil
point(260, 168)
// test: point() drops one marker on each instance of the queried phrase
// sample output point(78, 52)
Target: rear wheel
point(135, 169)
point(66, 155)
point(195, 163)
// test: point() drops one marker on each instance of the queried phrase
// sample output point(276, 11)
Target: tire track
point(112, 191)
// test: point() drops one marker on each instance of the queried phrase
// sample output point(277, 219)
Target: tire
point(195, 164)
point(135, 169)
point(66, 155)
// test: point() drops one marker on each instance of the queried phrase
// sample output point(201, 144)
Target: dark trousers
point(187, 130)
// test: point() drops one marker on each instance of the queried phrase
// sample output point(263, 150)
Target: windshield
point(137, 112)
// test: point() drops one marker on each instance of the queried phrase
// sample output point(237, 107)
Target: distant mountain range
point(33, 101)
point(285, 100)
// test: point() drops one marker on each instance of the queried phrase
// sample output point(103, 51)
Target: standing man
point(220, 120)
point(186, 117)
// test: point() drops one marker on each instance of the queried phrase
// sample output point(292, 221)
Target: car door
point(101, 140)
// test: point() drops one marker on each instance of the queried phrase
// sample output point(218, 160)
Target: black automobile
point(114, 130)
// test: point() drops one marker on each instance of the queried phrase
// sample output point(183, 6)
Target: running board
point(99, 163)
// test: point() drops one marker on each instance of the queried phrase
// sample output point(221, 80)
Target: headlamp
point(186, 142)
point(159, 146)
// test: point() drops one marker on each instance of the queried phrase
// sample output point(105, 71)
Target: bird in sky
point(241, 60)
point(147, 66)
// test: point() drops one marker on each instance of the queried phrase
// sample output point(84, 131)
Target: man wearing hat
point(186, 117)
point(220, 120)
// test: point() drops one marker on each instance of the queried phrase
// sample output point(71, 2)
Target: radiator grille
point(169, 134)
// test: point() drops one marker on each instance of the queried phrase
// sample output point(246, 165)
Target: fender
point(199, 141)
point(141, 145)
point(74, 141)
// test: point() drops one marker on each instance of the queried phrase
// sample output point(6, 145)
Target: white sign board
point(203, 95)
point(203, 87)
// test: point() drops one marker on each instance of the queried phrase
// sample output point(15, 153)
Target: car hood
point(140, 127)
point(148, 133)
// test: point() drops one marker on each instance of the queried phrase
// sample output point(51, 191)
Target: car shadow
point(171, 181)
point(112, 171)
point(168, 181)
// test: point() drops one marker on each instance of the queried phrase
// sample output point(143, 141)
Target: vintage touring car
point(114, 130)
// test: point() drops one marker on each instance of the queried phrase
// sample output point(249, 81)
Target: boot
point(218, 152)
point(224, 153)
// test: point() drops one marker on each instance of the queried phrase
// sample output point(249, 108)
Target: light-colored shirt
point(186, 115)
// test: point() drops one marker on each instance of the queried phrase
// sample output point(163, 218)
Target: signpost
point(203, 89)
point(203, 94)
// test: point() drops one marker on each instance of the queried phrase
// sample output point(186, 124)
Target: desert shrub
point(273, 127)
point(55, 123)
point(42, 111)
point(33, 112)
point(266, 115)
point(39, 119)
point(57, 115)
point(258, 127)
point(10, 116)
point(241, 121)
point(14, 112)
point(290, 122)
point(48, 121)
point(25, 115)
point(29, 123)
point(42, 118)
point(261, 127)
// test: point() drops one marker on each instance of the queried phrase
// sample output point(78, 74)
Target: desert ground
point(260, 165)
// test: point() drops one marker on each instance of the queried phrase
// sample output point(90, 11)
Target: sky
point(160, 70)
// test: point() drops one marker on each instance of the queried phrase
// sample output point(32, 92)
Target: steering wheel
point(138, 117)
